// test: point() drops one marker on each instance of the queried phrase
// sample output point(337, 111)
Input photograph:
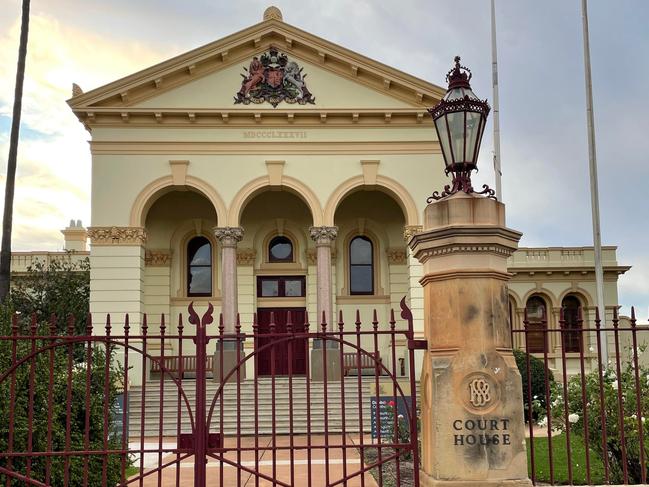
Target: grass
point(560, 461)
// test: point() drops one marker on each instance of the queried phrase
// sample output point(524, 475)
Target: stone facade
point(193, 166)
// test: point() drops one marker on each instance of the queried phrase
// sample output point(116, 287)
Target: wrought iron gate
point(201, 416)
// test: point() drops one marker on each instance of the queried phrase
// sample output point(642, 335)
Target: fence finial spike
point(14, 323)
point(71, 323)
point(180, 324)
point(52, 324)
point(33, 325)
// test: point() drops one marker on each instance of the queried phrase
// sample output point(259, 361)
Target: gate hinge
point(418, 344)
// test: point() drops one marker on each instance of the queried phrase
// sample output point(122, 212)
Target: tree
point(71, 384)
point(5, 251)
point(61, 287)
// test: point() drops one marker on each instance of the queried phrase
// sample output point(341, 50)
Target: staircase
point(246, 407)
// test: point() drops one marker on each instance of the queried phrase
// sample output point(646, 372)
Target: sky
point(542, 99)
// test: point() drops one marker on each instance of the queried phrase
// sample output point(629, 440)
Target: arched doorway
point(572, 339)
point(273, 284)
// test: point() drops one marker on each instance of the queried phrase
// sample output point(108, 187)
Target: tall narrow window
point(537, 321)
point(199, 267)
point(361, 266)
point(572, 337)
point(280, 249)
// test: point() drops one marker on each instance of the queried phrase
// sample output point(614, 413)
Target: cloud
point(53, 171)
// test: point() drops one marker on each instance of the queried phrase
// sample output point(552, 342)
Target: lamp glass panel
point(456, 126)
point(442, 133)
point(472, 133)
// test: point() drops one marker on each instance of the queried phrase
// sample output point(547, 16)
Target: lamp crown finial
point(459, 76)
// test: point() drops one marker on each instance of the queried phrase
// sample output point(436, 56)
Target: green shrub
point(61, 288)
point(630, 424)
point(537, 376)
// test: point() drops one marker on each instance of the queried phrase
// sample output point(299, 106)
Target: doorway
point(281, 347)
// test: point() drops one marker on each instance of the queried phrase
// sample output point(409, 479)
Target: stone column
point(473, 431)
point(324, 237)
point(228, 237)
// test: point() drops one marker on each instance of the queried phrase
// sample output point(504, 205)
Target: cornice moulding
point(264, 148)
point(241, 45)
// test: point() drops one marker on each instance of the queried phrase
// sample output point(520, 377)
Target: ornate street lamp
point(460, 120)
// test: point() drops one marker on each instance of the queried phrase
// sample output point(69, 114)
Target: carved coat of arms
point(273, 78)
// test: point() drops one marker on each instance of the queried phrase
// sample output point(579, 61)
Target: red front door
point(280, 350)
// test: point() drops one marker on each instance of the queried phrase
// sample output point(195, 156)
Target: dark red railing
point(61, 393)
point(585, 410)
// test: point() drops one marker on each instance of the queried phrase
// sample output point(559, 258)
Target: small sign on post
point(118, 417)
point(386, 406)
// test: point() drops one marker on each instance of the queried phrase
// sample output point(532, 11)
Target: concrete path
point(283, 459)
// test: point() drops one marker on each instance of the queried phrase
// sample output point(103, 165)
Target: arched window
point(361, 266)
point(199, 267)
point(280, 249)
point(537, 321)
point(572, 337)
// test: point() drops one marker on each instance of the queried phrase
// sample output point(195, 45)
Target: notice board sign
point(386, 406)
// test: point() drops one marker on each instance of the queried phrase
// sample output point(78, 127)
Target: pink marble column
point(229, 237)
point(323, 237)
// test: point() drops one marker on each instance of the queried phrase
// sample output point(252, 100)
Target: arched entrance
point(276, 226)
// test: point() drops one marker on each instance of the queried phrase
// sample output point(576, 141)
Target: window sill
point(185, 300)
point(362, 299)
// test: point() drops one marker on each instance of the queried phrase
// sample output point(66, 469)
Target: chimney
point(75, 236)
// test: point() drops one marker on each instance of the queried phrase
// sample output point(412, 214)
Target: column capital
point(228, 236)
point(410, 230)
point(117, 235)
point(323, 235)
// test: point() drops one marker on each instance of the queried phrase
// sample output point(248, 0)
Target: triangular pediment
point(327, 90)
point(209, 77)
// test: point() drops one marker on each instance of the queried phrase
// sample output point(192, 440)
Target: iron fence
point(143, 409)
point(585, 397)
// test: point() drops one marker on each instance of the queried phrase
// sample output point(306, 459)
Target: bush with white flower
point(538, 373)
point(618, 421)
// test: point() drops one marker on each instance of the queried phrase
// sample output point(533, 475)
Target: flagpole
point(594, 191)
point(496, 109)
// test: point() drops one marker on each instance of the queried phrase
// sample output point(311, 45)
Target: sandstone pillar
point(117, 288)
point(229, 237)
point(324, 237)
point(473, 430)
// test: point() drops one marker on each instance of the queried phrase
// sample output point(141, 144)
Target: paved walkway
point(298, 475)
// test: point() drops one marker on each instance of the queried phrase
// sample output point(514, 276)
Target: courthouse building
point(273, 170)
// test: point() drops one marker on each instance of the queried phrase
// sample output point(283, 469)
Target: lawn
point(560, 461)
